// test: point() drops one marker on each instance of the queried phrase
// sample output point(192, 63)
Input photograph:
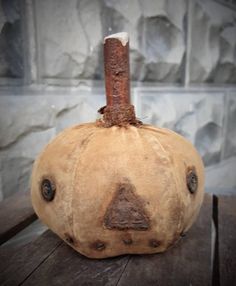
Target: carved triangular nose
point(126, 210)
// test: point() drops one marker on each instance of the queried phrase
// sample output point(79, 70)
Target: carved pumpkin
point(118, 186)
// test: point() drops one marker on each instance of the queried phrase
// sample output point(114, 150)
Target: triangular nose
point(126, 210)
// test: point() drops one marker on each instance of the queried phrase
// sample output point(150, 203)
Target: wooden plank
point(67, 267)
point(16, 268)
point(187, 263)
point(24, 237)
point(227, 239)
point(16, 213)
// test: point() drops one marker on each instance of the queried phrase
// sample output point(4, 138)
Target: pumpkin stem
point(118, 110)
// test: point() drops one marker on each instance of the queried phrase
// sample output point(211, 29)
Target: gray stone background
point(183, 69)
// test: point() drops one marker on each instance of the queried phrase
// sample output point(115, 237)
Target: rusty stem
point(116, 64)
point(118, 110)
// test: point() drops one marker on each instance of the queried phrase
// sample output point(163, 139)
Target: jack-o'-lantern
point(118, 186)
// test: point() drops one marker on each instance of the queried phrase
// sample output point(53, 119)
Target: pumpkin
point(117, 186)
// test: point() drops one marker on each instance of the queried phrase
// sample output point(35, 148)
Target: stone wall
point(183, 70)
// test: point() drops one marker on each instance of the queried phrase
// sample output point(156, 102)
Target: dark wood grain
point(187, 263)
point(227, 240)
point(16, 213)
point(67, 267)
point(16, 268)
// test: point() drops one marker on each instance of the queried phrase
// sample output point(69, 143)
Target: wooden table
point(205, 256)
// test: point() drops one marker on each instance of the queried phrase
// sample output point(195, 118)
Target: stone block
point(230, 133)
point(11, 40)
point(70, 37)
point(222, 177)
point(212, 42)
point(198, 116)
point(163, 40)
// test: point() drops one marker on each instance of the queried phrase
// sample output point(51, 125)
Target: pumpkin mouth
point(126, 210)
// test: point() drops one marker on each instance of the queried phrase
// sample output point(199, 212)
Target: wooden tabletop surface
point(205, 256)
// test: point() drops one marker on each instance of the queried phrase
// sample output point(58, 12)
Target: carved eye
point(48, 190)
point(192, 180)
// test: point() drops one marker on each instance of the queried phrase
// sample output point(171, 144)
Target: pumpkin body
point(118, 190)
